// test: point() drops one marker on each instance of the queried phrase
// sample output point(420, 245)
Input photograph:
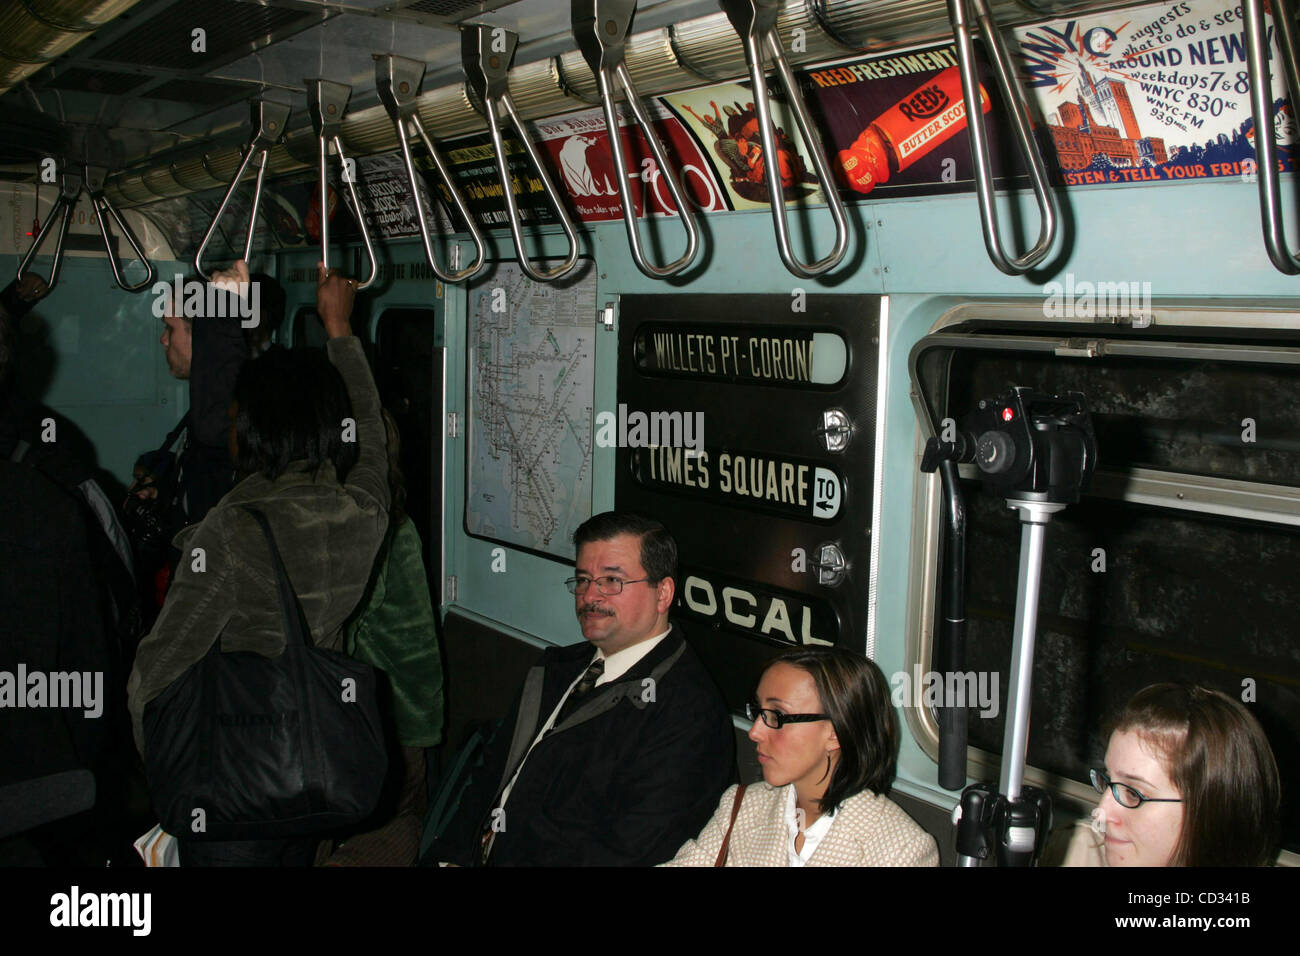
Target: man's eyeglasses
point(1124, 795)
point(776, 720)
point(608, 586)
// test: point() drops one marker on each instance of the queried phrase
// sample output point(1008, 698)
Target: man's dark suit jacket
point(620, 785)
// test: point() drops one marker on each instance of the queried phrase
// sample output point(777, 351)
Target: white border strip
point(878, 468)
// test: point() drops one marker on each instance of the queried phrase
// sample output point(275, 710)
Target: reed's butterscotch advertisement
point(895, 124)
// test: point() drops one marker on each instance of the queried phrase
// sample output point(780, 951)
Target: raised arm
point(369, 476)
point(219, 354)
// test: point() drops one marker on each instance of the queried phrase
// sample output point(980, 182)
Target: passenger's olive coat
point(328, 535)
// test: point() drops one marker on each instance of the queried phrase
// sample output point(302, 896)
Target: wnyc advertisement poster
point(1157, 93)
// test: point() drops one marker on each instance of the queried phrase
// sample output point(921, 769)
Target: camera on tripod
point(1038, 452)
point(1028, 445)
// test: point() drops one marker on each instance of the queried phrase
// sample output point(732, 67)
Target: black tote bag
point(246, 747)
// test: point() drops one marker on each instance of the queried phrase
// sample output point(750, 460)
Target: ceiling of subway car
point(142, 79)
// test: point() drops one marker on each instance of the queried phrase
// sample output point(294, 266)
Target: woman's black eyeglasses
point(1124, 795)
point(775, 719)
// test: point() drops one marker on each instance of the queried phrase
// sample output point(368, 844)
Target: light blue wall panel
point(91, 353)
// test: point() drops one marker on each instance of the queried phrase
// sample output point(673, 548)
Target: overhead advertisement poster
point(1151, 94)
point(895, 124)
point(472, 162)
point(577, 145)
point(723, 118)
point(385, 192)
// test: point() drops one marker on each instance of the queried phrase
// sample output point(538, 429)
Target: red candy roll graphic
point(931, 114)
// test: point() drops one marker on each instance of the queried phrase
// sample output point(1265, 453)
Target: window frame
point(996, 329)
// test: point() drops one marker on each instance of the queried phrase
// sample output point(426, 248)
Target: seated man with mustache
point(619, 747)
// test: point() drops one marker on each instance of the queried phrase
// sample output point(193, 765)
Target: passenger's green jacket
point(394, 632)
point(328, 535)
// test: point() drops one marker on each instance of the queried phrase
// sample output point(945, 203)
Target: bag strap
point(174, 433)
point(530, 708)
point(607, 696)
point(735, 812)
point(295, 631)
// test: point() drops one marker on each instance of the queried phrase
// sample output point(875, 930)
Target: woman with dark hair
point(1190, 780)
point(827, 739)
point(306, 435)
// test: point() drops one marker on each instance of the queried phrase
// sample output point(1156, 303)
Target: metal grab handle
point(94, 180)
point(1261, 108)
point(755, 22)
point(1013, 96)
point(600, 28)
point(269, 121)
point(326, 102)
point(397, 80)
point(486, 52)
point(69, 191)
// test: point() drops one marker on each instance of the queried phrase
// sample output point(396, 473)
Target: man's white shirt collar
point(616, 665)
point(620, 662)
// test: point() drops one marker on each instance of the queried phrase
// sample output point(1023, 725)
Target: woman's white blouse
point(812, 836)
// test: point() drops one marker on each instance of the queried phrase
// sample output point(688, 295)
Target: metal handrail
point(94, 185)
point(69, 191)
point(486, 52)
point(1013, 96)
point(1261, 108)
point(269, 121)
point(326, 102)
point(397, 80)
point(755, 22)
point(600, 28)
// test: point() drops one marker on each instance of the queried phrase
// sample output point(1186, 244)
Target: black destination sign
point(761, 355)
point(744, 479)
point(759, 610)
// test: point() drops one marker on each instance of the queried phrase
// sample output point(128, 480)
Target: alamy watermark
point(89, 909)
point(650, 429)
point(1075, 299)
point(225, 299)
point(72, 690)
point(953, 689)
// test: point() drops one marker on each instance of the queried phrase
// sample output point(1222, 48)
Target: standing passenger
point(395, 631)
point(611, 757)
point(326, 497)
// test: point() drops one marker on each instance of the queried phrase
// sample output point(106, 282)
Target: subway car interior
point(1010, 407)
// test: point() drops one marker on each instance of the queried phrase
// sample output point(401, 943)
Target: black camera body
point(1031, 445)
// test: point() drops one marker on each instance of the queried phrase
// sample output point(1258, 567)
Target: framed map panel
point(529, 422)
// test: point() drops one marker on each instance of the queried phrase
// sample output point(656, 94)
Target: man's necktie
point(580, 690)
point(576, 697)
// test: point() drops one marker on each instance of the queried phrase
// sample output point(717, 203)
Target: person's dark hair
point(291, 406)
point(396, 477)
point(1218, 757)
point(658, 549)
point(271, 301)
point(856, 697)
